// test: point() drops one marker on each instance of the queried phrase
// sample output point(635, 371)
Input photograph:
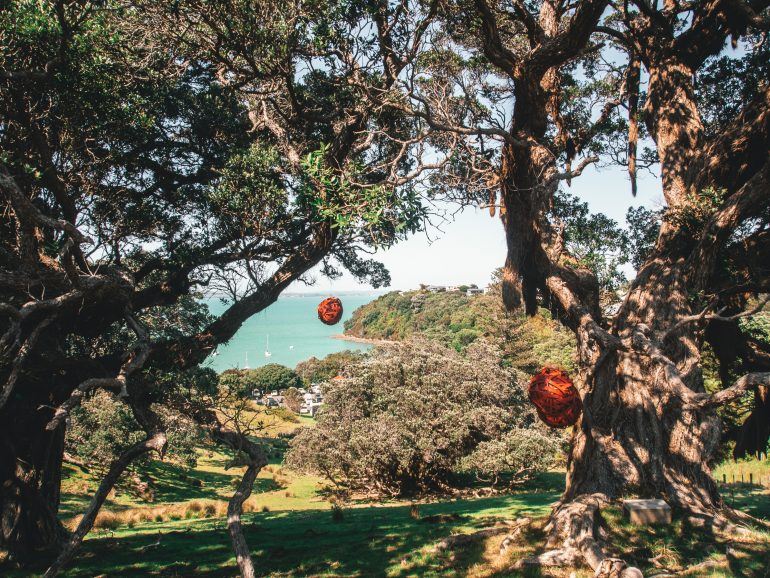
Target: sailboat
point(267, 347)
point(247, 361)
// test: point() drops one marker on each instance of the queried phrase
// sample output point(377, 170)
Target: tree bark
point(637, 437)
point(30, 474)
point(256, 460)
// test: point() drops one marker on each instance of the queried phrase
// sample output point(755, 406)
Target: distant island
point(457, 318)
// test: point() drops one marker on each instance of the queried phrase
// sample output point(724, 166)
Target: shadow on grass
point(172, 483)
point(684, 548)
point(176, 484)
point(752, 499)
point(389, 541)
point(372, 541)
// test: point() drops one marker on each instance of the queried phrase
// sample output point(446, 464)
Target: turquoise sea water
point(291, 324)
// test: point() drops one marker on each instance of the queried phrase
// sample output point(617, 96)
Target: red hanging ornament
point(330, 310)
point(555, 397)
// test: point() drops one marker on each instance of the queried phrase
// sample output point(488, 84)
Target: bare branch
point(21, 357)
point(493, 45)
point(741, 386)
point(706, 316)
point(26, 210)
point(748, 202)
point(570, 174)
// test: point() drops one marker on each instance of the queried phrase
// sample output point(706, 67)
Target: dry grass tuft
point(108, 520)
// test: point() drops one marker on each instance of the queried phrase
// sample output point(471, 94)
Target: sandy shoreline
point(355, 339)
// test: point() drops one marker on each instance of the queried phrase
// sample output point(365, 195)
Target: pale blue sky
point(469, 248)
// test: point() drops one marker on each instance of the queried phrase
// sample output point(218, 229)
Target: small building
point(273, 400)
point(310, 409)
point(436, 288)
point(474, 291)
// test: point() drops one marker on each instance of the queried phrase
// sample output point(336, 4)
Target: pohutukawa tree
point(529, 86)
point(152, 150)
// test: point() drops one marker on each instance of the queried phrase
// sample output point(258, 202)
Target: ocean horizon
point(289, 330)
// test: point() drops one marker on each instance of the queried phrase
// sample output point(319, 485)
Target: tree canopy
point(151, 151)
point(272, 376)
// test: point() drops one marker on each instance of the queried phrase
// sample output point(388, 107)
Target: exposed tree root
point(455, 541)
point(461, 540)
point(740, 522)
point(576, 535)
point(517, 527)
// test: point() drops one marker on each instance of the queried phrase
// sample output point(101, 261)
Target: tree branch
point(154, 442)
point(750, 201)
point(134, 362)
point(741, 386)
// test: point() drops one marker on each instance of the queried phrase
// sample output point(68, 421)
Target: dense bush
point(316, 370)
point(513, 457)
point(272, 376)
point(293, 399)
point(413, 417)
point(102, 427)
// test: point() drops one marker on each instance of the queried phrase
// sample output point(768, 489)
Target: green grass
point(389, 541)
point(690, 551)
point(747, 486)
point(298, 535)
point(368, 541)
point(741, 470)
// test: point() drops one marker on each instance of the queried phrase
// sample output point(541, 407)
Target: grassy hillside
point(457, 320)
point(294, 533)
point(396, 540)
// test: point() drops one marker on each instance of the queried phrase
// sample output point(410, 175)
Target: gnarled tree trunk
point(30, 472)
point(640, 431)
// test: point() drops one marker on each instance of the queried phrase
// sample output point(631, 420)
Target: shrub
point(292, 398)
point(316, 370)
point(209, 509)
point(284, 414)
point(406, 419)
point(107, 521)
point(102, 427)
point(272, 376)
point(513, 457)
